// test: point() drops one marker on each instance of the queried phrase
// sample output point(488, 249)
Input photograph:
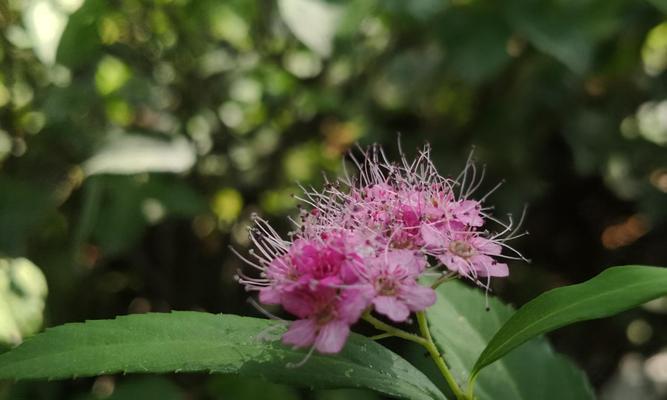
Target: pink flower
point(329, 261)
point(393, 276)
point(466, 253)
point(466, 212)
point(365, 242)
point(325, 317)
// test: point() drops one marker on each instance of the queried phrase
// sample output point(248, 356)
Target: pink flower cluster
point(365, 243)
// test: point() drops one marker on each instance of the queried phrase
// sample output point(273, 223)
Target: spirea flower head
point(364, 242)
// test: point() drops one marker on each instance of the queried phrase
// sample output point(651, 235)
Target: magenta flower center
point(461, 249)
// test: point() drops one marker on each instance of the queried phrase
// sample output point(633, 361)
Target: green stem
point(92, 194)
point(393, 330)
point(444, 278)
point(471, 386)
point(426, 341)
point(381, 336)
point(438, 359)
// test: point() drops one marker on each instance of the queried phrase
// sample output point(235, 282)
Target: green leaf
point(660, 5)
point(248, 388)
point(80, 44)
point(475, 54)
point(146, 387)
point(22, 293)
point(130, 205)
point(614, 290)
point(24, 205)
point(195, 341)
point(461, 328)
point(554, 30)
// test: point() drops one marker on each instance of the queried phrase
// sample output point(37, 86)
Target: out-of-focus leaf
point(80, 43)
point(45, 21)
point(22, 293)
point(313, 22)
point(461, 327)
point(660, 5)
point(111, 75)
point(236, 387)
point(408, 76)
point(133, 154)
point(129, 205)
point(196, 341)
point(23, 206)
point(345, 394)
point(654, 51)
point(554, 31)
point(614, 290)
point(145, 387)
point(476, 42)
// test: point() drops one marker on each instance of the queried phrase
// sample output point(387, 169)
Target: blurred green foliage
point(137, 137)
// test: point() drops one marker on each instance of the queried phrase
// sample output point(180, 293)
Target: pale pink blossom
point(396, 292)
point(363, 244)
point(325, 316)
point(466, 253)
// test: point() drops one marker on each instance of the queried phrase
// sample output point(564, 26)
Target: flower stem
point(393, 330)
point(426, 341)
point(471, 387)
point(444, 278)
point(438, 359)
point(381, 336)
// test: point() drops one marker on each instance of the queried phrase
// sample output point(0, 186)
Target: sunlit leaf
point(313, 22)
point(654, 51)
point(111, 75)
point(132, 154)
point(45, 21)
point(22, 294)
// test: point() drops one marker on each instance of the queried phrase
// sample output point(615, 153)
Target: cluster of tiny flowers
point(365, 242)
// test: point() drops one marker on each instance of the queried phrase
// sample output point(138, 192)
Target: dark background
point(135, 145)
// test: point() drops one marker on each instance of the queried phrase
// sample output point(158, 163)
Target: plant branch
point(382, 336)
point(392, 330)
point(438, 359)
point(444, 278)
point(426, 341)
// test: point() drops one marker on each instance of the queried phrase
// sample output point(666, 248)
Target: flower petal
point(393, 308)
point(353, 302)
point(332, 337)
point(299, 302)
point(301, 333)
point(418, 297)
point(487, 266)
point(269, 295)
point(432, 237)
point(486, 246)
point(455, 264)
